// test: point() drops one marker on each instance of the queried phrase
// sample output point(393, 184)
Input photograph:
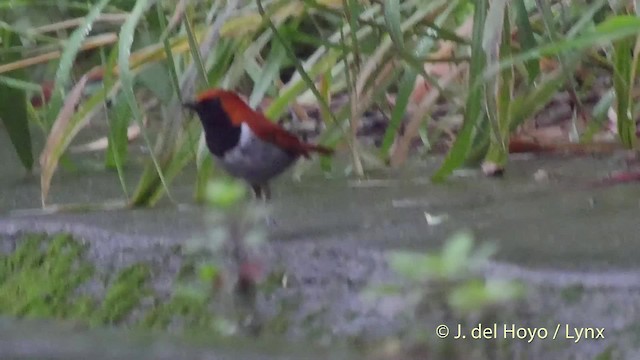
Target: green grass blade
point(623, 86)
point(119, 118)
point(294, 88)
point(474, 113)
point(392, 18)
point(120, 114)
point(204, 168)
point(156, 78)
point(126, 35)
point(587, 19)
point(66, 127)
point(171, 64)
point(269, 73)
point(195, 52)
point(171, 139)
point(67, 60)
point(301, 71)
point(405, 89)
point(491, 42)
point(19, 84)
point(224, 54)
point(353, 10)
point(614, 28)
point(523, 106)
point(13, 107)
point(499, 147)
point(526, 38)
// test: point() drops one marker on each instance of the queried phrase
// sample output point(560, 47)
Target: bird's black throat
point(220, 133)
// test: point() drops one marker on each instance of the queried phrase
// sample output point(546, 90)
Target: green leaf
point(500, 92)
point(65, 128)
point(157, 78)
point(224, 54)
point(269, 73)
point(599, 116)
point(623, 85)
point(405, 89)
point(205, 170)
point(526, 38)
point(474, 113)
point(117, 141)
point(68, 57)
point(476, 295)
point(225, 193)
point(195, 52)
point(393, 18)
point(415, 267)
point(469, 296)
point(13, 105)
point(289, 93)
point(126, 36)
point(614, 28)
point(116, 154)
point(525, 105)
point(456, 253)
point(208, 272)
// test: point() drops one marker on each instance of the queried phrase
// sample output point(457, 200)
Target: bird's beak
point(190, 105)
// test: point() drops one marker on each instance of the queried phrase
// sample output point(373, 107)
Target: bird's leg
point(266, 191)
point(257, 191)
point(263, 192)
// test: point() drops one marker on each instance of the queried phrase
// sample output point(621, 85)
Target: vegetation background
point(465, 77)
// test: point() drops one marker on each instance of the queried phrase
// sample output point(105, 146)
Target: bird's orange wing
point(274, 133)
point(239, 112)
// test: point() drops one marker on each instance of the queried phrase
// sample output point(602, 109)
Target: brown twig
point(90, 43)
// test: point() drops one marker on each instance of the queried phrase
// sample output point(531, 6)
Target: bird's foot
point(270, 222)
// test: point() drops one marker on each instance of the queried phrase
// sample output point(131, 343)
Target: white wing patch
point(245, 135)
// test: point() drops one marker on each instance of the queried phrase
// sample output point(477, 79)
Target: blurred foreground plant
point(215, 288)
point(447, 288)
point(227, 267)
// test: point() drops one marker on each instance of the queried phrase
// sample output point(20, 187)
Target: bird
point(244, 142)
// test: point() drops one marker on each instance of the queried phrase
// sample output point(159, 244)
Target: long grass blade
point(61, 133)
point(118, 122)
point(499, 94)
point(67, 59)
point(204, 167)
point(269, 73)
point(623, 86)
point(614, 28)
point(526, 37)
point(393, 19)
point(171, 143)
point(13, 106)
point(127, 33)
point(405, 89)
point(474, 113)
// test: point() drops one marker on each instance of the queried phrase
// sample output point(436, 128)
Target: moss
point(124, 295)
point(186, 309)
point(42, 278)
point(48, 277)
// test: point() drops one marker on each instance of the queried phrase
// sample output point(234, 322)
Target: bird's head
point(206, 101)
point(217, 106)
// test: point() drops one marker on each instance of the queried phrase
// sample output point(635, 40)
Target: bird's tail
point(320, 149)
